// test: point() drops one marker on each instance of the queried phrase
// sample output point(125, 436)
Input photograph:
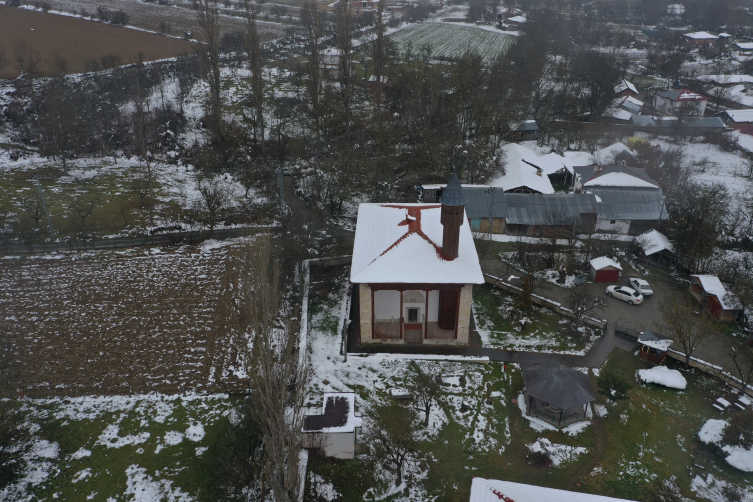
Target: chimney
point(453, 206)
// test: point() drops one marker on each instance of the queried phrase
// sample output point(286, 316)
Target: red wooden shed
point(605, 269)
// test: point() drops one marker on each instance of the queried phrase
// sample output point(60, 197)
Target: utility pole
point(44, 203)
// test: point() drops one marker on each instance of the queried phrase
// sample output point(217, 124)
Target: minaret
point(453, 209)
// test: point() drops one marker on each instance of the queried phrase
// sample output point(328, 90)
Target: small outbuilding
point(656, 247)
point(605, 269)
point(653, 346)
point(557, 394)
point(711, 293)
point(334, 431)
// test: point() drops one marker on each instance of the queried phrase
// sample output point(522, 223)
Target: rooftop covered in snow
point(402, 243)
point(492, 490)
point(522, 171)
point(654, 242)
point(604, 262)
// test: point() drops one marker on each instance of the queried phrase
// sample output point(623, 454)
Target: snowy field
point(115, 322)
point(144, 448)
point(450, 40)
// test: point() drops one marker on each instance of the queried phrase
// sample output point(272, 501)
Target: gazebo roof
point(558, 385)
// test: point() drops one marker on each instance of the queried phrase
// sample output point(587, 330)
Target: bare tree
point(583, 303)
point(312, 23)
point(27, 58)
point(258, 311)
point(742, 362)
point(140, 121)
point(393, 436)
point(214, 201)
point(378, 53)
point(424, 389)
point(345, 71)
point(3, 56)
point(687, 326)
point(208, 19)
point(84, 207)
point(253, 49)
point(34, 208)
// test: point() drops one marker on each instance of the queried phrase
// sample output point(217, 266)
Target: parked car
point(641, 286)
point(625, 294)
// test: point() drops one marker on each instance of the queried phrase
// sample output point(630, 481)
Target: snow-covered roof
point(746, 46)
point(522, 169)
point(518, 19)
point(682, 95)
point(724, 34)
point(552, 163)
point(740, 115)
point(338, 414)
point(625, 85)
point(620, 114)
point(603, 262)
point(713, 286)
point(493, 490)
point(402, 243)
point(654, 340)
point(619, 176)
point(654, 241)
point(701, 35)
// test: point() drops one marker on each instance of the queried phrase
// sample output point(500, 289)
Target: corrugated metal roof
point(558, 385)
point(630, 204)
point(527, 209)
point(453, 193)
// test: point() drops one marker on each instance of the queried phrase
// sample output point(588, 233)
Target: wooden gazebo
point(557, 394)
point(653, 346)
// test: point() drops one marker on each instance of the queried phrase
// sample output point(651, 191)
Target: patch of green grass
point(178, 464)
point(543, 330)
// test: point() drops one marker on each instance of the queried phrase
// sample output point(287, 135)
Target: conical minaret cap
point(453, 194)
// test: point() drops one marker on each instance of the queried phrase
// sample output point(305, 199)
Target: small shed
point(334, 431)
point(557, 394)
point(711, 293)
point(605, 269)
point(656, 247)
point(653, 346)
point(527, 130)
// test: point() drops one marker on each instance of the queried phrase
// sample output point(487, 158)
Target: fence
point(166, 239)
point(544, 302)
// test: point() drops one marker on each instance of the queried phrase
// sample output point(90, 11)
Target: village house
point(630, 202)
point(625, 88)
point(711, 293)
point(700, 38)
point(681, 101)
point(522, 172)
point(334, 431)
point(535, 215)
point(414, 267)
point(527, 130)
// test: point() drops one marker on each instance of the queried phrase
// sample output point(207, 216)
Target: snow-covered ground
point(154, 446)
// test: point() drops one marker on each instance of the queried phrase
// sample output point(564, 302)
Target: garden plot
point(471, 419)
point(141, 447)
point(626, 446)
point(451, 41)
point(502, 325)
point(115, 322)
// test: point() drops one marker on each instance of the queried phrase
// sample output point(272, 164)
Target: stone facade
point(366, 309)
point(464, 320)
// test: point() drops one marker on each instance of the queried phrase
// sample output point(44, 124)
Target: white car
point(626, 294)
point(641, 286)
